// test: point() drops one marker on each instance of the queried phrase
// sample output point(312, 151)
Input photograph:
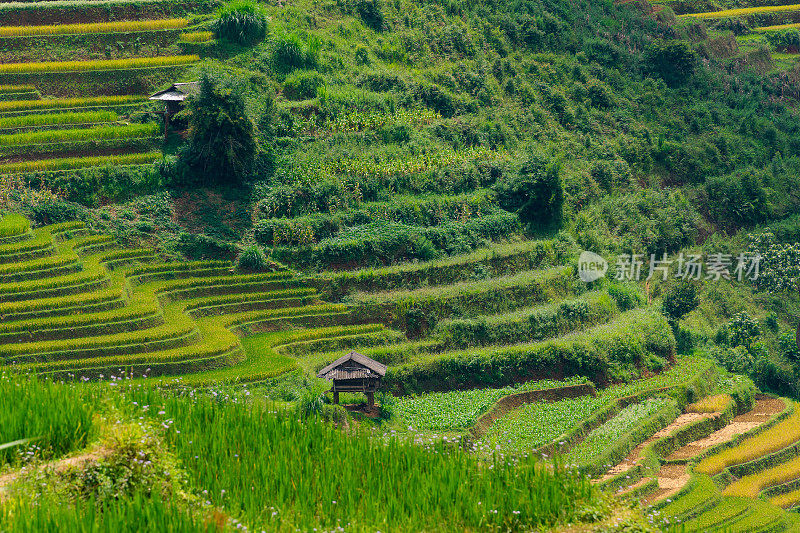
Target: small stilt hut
point(354, 372)
point(174, 98)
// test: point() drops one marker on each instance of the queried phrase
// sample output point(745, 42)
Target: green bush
point(242, 22)
point(251, 259)
point(626, 295)
point(600, 94)
point(674, 61)
point(301, 85)
point(384, 243)
point(737, 200)
point(679, 300)
point(647, 221)
point(741, 330)
point(290, 52)
point(406, 209)
point(736, 359)
point(535, 193)
point(530, 324)
point(371, 12)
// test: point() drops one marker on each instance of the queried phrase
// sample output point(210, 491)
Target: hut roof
point(364, 368)
point(178, 92)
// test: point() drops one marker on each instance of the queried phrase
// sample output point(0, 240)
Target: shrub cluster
point(383, 243)
point(243, 22)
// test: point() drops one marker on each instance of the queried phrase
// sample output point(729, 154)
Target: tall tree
point(222, 134)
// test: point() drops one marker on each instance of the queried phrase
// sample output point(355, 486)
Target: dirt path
point(673, 477)
point(635, 456)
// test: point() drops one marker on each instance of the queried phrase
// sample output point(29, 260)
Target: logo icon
point(591, 266)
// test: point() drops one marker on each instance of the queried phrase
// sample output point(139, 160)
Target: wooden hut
point(354, 372)
point(173, 98)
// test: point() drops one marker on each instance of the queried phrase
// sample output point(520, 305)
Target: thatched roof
point(352, 366)
point(177, 93)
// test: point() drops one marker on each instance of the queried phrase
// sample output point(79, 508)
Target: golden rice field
point(67, 103)
point(96, 27)
point(730, 13)
point(7, 89)
point(197, 36)
point(778, 27)
point(100, 64)
point(69, 163)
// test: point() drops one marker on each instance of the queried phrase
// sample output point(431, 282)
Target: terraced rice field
point(74, 304)
point(745, 11)
point(715, 470)
point(52, 49)
point(769, 28)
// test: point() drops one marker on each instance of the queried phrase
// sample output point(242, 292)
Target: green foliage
point(779, 268)
point(66, 103)
point(382, 243)
point(302, 85)
point(787, 343)
point(132, 514)
point(70, 163)
point(97, 65)
point(460, 409)
point(414, 476)
point(535, 323)
point(371, 12)
point(648, 221)
point(252, 259)
point(622, 425)
point(626, 295)
point(71, 135)
point(737, 359)
point(536, 192)
point(537, 424)
point(674, 61)
point(637, 339)
point(311, 400)
point(737, 200)
point(222, 134)
point(243, 22)
point(13, 224)
point(679, 300)
point(95, 186)
point(741, 330)
point(291, 52)
point(600, 94)
point(88, 117)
